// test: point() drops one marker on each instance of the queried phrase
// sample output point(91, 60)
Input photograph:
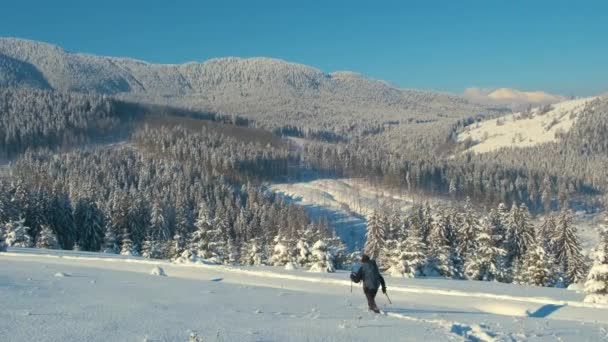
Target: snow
point(157, 271)
point(524, 132)
point(345, 202)
point(262, 303)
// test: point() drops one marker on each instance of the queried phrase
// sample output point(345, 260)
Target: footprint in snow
point(61, 275)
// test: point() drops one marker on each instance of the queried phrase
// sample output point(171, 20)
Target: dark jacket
point(368, 272)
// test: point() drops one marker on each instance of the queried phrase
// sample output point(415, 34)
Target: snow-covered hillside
point(65, 296)
point(345, 202)
point(259, 88)
point(520, 130)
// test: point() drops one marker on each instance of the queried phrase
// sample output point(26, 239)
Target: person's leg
point(370, 299)
point(373, 300)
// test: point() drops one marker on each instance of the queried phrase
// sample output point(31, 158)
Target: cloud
point(511, 98)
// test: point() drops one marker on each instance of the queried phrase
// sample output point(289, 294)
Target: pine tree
point(127, 247)
point(47, 238)
point(2, 238)
point(16, 234)
point(469, 225)
point(149, 248)
point(110, 244)
point(252, 254)
point(375, 236)
point(536, 268)
point(414, 253)
point(568, 256)
point(484, 262)
point(200, 238)
point(281, 255)
point(322, 260)
point(596, 285)
point(519, 234)
point(440, 246)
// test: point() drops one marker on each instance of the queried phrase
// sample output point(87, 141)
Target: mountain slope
point(261, 88)
point(524, 129)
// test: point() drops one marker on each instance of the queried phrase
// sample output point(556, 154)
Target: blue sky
point(556, 46)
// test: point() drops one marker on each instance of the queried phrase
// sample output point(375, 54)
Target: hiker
point(368, 272)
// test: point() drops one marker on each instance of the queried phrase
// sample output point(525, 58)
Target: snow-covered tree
point(469, 225)
point(47, 238)
point(568, 256)
point(201, 237)
point(484, 262)
point(414, 254)
point(596, 285)
point(322, 259)
point(149, 248)
point(519, 235)
point(392, 259)
point(16, 234)
point(2, 238)
point(440, 246)
point(281, 254)
point(536, 270)
point(253, 253)
point(375, 236)
point(127, 247)
point(110, 244)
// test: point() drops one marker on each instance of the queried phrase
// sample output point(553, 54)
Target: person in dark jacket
point(372, 280)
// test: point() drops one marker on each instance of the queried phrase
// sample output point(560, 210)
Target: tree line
point(458, 243)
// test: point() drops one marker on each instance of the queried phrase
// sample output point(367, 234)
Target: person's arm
point(360, 273)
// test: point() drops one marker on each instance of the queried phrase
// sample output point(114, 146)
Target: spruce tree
point(519, 235)
point(485, 262)
point(127, 247)
point(2, 238)
point(568, 256)
point(536, 270)
point(596, 285)
point(281, 255)
point(322, 259)
point(469, 225)
point(110, 244)
point(16, 234)
point(375, 236)
point(414, 254)
point(440, 246)
point(47, 238)
point(253, 253)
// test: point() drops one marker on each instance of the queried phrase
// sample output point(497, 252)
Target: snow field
point(119, 300)
point(515, 132)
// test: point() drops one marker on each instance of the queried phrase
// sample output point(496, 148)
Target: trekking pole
point(351, 286)
point(389, 299)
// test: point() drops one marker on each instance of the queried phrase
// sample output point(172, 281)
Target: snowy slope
point(113, 299)
point(514, 131)
point(345, 202)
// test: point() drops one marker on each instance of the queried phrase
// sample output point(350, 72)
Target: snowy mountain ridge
point(261, 88)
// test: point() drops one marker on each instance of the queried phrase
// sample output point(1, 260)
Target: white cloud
point(512, 98)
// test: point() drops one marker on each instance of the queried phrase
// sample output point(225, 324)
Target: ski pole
point(387, 297)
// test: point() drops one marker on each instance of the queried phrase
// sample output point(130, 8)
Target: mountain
point(512, 98)
point(264, 89)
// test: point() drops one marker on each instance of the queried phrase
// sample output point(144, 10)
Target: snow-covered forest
point(178, 161)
